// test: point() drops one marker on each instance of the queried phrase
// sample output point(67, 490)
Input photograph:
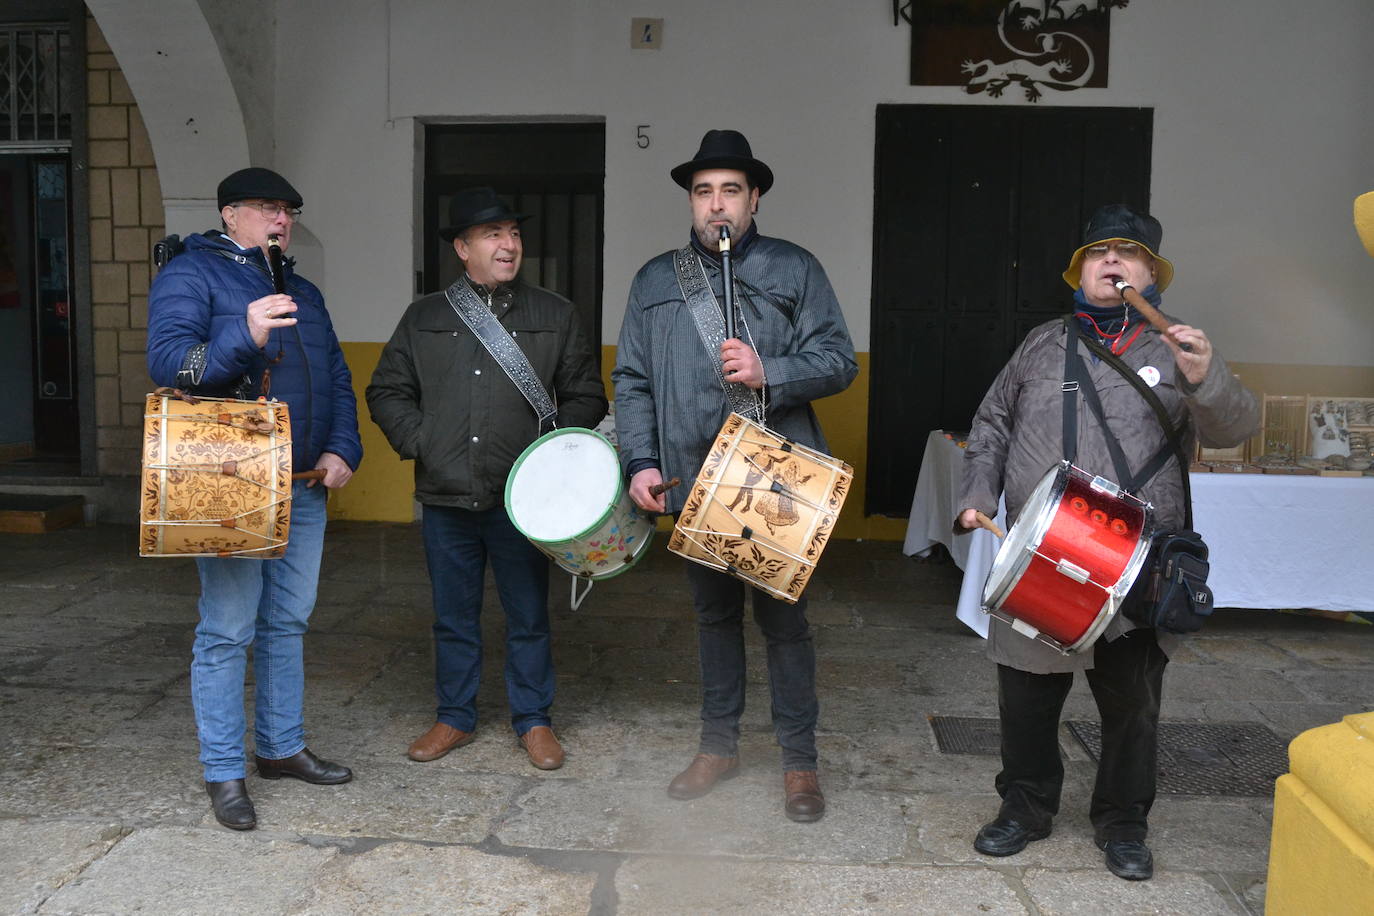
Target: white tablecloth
point(1275, 541)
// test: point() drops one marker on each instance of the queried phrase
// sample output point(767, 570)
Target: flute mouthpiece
point(274, 240)
point(1122, 285)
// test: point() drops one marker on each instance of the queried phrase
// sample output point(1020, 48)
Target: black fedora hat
point(1119, 223)
point(725, 149)
point(474, 207)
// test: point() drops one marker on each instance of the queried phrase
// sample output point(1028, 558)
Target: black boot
point(233, 808)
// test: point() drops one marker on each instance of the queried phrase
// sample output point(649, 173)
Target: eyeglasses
point(270, 209)
point(1126, 251)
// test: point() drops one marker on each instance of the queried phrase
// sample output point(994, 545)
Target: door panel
point(976, 211)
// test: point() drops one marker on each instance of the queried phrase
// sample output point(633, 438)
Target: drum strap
point(503, 348)
point(1077, 378)
point(710, 322)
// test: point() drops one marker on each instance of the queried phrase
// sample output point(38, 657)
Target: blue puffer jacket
point(201, 297)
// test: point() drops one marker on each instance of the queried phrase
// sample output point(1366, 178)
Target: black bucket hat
point(1119, 223)
point(256, 183)
point(725, 149)
point(474, 207)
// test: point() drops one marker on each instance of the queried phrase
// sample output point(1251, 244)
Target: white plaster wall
point(1263, 136)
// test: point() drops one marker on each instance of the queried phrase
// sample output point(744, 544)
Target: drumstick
point(988, 523)
point(659, 489)
point(312, 474)
point(1152, 314)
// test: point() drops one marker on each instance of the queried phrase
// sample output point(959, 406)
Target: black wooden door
point(554, 173)
point(976, 211)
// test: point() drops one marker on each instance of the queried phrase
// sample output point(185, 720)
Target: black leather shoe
point(1129, 859)
point(1006, 837)
point(233, 808)
point(304, 766)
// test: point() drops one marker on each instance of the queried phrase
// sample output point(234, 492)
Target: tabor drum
point(762, 508)
point(216, 477)
point(1070, 559)
point(566, 493)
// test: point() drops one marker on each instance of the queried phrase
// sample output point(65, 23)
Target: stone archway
point(187, 96)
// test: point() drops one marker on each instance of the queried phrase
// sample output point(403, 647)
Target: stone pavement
point(102, 808)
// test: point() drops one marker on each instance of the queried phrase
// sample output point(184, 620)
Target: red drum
point(1068, 562)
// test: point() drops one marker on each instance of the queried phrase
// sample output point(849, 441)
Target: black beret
point(255, 183)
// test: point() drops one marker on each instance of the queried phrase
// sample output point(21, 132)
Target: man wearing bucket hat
point(449, 392)
point(1018, 434)
point(672, 398)
point(218, 328)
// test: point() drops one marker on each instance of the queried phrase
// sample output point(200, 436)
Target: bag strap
point(507, 353)
point(1076, 379)
point(1173, 435)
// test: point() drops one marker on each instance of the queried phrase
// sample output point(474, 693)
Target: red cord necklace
point(1113, 341)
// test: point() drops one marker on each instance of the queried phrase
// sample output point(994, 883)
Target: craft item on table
point(1327, 430)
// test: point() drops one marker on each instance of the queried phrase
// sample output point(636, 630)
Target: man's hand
point(741, 363)
point(968, 519)
point(639, 490)
point(1193, 365)
point(336, 470)
point(267, 313)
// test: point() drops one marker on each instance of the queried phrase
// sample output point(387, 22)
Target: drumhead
point(1024, 537)
point(564, 485)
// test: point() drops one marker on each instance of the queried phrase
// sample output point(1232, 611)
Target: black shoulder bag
point(1171, 591)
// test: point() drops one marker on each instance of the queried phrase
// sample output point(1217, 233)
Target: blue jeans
point(265, 604)
point(458, 543)
point(719, 601)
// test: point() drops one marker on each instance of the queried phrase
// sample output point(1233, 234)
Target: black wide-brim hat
point(725, 149)
point(476, 207)
point(256, 184)
point(1119, 223)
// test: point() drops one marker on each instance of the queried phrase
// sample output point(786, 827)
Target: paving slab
point(37, 857)
point(395, 801)
point(404, 878)
point(573, 814)
point(136, 788)
point(680, 885)
point(1092, 893)
point(67, 716)
point(191, 871)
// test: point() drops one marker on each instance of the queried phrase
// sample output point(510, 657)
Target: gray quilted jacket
point(1018, 435)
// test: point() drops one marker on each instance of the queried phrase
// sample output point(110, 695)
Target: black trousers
point(719, 600)
point(1126, 681)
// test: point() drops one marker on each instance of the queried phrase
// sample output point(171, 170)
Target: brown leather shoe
point(701, 776)
point(543, 748)
point(438, 741)
point(805, 803)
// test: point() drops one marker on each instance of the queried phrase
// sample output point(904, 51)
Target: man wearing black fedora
point(1019, 433)
point(471, 377)
point(677, 378)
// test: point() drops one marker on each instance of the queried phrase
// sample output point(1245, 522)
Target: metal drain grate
point(1234, 758)
point(966, 735)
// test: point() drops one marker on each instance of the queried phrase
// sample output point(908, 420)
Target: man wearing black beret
point(217, 327)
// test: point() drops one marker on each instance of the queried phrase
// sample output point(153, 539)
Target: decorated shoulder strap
point(507, 353)
point(706, 312)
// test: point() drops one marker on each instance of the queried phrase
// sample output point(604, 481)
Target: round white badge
point(1150, 374)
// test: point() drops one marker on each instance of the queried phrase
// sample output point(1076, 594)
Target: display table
point(1276, 541)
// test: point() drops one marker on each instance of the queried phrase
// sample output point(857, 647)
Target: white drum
point(566, 493)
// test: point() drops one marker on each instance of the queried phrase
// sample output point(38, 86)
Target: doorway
point(555, 172)
point(976, 210)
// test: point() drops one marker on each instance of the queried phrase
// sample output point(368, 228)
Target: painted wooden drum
point(762, 508)
point(566, 493)
point(1067, 564)
point(216, 478)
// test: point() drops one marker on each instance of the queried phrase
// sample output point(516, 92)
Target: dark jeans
point(1126, 680)
point(458, 543)
point(719, 601)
